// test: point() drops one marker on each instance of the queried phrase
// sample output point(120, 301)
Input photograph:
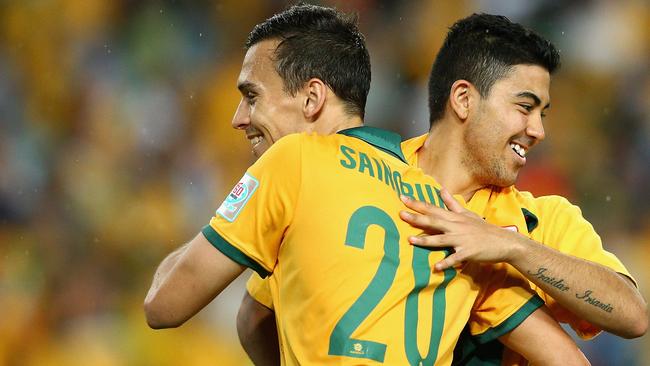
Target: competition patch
point(238, 197)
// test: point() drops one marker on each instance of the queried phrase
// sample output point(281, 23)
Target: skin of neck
point(333, 117)
point(441, 157)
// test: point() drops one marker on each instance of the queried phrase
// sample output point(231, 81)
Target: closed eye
point(250, 97)
point(248, 91)
point(527, 107)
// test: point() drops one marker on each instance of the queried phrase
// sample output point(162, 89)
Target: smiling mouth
point(255, 140)
point(518, 149)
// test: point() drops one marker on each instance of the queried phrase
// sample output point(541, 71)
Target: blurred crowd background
point(116, 148)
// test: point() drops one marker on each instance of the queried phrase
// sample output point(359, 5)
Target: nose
point(241, 119)
point(535, 127)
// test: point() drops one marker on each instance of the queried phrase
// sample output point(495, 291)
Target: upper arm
point(250, 224)
point(541, 340)
point(199, 275)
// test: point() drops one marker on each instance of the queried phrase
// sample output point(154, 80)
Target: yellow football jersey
point(260, 290)
point(321, 214)
point(550, 220)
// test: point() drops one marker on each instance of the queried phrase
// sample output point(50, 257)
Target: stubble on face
point(484, 155)
point(505, 125)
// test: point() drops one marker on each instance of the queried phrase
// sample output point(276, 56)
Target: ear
point(460, 98)
point(316, 94)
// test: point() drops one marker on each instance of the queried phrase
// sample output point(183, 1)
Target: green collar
point(386, 141)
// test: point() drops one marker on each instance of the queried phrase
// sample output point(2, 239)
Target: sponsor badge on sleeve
point(237, 198)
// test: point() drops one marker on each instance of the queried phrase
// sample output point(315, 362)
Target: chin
point(501, 181)
point(260, 149)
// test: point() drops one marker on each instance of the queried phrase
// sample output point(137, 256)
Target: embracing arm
point(591, 291)
point(186, 281)
point(541, 341)
point(258, 332)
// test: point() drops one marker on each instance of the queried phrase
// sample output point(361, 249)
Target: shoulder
point(543, 204)
point(286, 147)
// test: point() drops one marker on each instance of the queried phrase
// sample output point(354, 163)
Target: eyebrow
point(534, 97)
point(246, 86)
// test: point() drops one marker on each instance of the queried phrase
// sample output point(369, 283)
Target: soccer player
point(350, 289)
point(487, 99)
point(472, 150)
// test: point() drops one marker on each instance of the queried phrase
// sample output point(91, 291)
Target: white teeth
point(518, 149)
point(256, 140)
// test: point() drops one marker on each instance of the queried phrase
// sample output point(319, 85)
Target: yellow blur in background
point(116, 147)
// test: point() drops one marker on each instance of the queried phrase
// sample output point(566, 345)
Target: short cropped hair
point(319, 42)
point(482, 49)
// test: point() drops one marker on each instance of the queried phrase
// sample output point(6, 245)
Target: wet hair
point(482, 49)
point(319, 42)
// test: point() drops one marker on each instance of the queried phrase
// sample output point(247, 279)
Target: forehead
point(258, 63)
point(526, 78)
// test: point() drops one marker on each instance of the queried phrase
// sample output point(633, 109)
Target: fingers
point(429, 241)
point(428, 223)
point(450, 201)
point(449, 262)
point(419, 206)
point(426, 208)
point(437, 242)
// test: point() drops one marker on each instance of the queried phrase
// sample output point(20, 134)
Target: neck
point(328, 125)
point(441, 157)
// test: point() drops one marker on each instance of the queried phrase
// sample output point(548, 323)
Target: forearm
point(589, 290)
point(163, 270)
point(186, 281)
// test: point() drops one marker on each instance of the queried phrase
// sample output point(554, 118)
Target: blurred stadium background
point(116, 147)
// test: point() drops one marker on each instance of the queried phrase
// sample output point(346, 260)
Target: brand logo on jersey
point(237, 198)
point(357, 349)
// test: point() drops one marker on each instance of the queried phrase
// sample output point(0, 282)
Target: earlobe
point(316, 94)
point(460, 97)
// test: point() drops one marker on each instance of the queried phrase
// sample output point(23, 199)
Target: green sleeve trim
point(387, 141)
point(231, 252)
point(512, 322)
point(469, 353)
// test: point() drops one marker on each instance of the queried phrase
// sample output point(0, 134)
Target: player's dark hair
point(482, 49)
point(323, 43)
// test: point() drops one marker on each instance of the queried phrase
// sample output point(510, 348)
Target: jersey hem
point(254, 289)
point(231, 252)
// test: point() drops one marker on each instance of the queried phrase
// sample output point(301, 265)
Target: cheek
point(515, 121)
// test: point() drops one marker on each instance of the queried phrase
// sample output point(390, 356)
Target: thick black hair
point(482, 49)
point(319, 42)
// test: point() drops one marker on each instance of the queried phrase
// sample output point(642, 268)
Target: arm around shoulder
point(258, 332)
point(590, 290)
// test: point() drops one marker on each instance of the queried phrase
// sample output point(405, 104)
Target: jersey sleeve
point(259, 289)
point(249, 225)
point(505, 301)
point(564, 228)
